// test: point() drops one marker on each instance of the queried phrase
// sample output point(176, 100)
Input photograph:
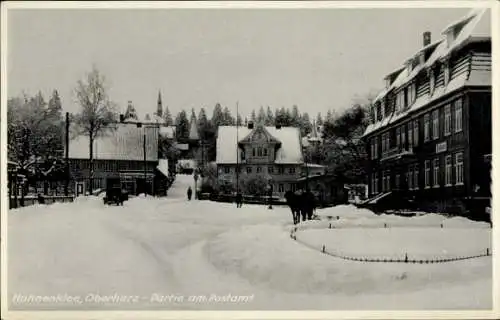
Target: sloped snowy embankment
point(292, 275)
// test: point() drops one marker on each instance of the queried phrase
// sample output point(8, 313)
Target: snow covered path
point(174, 254)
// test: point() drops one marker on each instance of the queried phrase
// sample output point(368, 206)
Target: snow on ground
point(395, 243)
point(169, 253)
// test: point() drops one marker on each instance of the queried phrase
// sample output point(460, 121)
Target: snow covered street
point(173, 254)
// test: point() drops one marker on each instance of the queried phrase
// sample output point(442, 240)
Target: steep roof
point(477, 26)
point(193, 131)
point(290, 151)
point(124, 143)
point(167, 132)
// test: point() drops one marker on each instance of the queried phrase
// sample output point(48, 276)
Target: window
point(459, 168)
point(410, 134)
point(265, 152)
point(388, 180)
point(403, 137)
point(387, 141)
point(427, 173)
point(447, 120)
point(281, 188)
point(227, 170)
point(242, 154)
point(447, 180)
point(458, 115)
point(409, 177)
point(412, 94)
point(376, 182)
point(415, 132)
point(291, 170)
point(416, 177)
point(376, 147)
point(249, 169)
point(259, 169)
point(259, 151)
point(436, 172)
point(383, 181)
point(426, 128)
point(270, 169)
point(398, 137)
point(435, 124)
point(431, 81)
point(446, 73)
point(398, 182)
point(372, 186)
point(253, 152)
point(281, 170)
point(372, 149)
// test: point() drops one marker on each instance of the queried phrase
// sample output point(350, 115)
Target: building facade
point(126, 156)
point(431, 126)
point(273, 154)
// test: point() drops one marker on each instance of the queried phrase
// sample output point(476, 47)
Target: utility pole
point(237, 152)
point(145, 163)
point(66, 156)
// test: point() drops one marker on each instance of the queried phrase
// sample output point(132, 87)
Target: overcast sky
point(319, 59)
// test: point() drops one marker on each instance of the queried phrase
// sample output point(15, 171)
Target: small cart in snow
point(115, 196)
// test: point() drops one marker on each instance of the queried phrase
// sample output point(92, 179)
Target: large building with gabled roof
point(274, 153)
point(430, 132)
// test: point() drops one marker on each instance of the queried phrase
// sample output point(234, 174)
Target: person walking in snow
point(239, 200)
point(189, 193)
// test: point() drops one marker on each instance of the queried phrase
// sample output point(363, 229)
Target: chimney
point(427, 38)
point(250, 124)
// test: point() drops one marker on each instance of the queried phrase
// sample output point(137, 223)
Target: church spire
point(159, 108)
point(314, 131)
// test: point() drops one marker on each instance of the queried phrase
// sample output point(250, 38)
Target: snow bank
point(351, 216)
point(346, 211)
point(266, 257)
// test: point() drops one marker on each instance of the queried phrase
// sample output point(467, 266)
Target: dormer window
point(446, 73)
point(432, 81)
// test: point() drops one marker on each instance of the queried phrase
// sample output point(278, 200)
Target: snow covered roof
point(314, 165)
point(167, 132)
point(475, 78)
point(305, 142)
point(477, 26)
point(124, 143)
point(186, 163)
point(289, 152)
point(163, 166)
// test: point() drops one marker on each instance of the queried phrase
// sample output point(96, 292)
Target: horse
point(308, 202)
point(293, 201)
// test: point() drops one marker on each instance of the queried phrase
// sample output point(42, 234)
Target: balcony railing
point(396, 153)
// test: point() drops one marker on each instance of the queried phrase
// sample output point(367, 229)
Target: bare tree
point(97, 113)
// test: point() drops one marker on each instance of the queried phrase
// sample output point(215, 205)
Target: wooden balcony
point(397, 153)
